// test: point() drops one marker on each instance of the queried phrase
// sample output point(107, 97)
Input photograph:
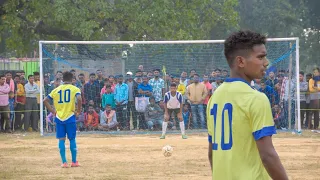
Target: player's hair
point(238, 44)
point(30, 76)
point(173, 85)
point(8, 72)
point(67, 76)
point(36, 73)
point(2, 75)
point(302, 73)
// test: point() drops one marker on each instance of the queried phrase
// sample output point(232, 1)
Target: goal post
point(204, 56)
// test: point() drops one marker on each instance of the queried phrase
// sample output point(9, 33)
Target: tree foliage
point(24, 22)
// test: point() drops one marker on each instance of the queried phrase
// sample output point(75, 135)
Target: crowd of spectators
point(110, 103)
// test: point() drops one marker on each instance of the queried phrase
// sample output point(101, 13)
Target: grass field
point(139, 157)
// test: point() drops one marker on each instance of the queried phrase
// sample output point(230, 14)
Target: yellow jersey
point(64, 100)
point(181, 88)
point(237, 116)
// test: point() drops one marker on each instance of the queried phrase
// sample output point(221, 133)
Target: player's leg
point(165, 125)
point(61, 135)
point(181, 124)
point(72, 132)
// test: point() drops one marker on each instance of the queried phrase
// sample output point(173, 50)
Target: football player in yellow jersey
point(64, 98)
point(240, 123)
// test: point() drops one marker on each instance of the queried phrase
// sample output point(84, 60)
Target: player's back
point(64, 99)
point(232, 114)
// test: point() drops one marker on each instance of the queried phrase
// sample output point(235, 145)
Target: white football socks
point(164, 127)
point(182, 127)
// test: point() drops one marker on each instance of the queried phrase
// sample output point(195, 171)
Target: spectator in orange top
point(91, 119)
point(20, 102)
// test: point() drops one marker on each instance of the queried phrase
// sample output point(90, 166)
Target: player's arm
point(210, 154)
point(46, 102)
point(210, 130)
point(166, 114)
point(263, 128)
point(79, 105)
point(270, 159)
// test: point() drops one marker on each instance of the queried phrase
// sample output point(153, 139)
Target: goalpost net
point(205, 57)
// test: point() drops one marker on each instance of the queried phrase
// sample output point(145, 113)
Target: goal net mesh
point(206, 58)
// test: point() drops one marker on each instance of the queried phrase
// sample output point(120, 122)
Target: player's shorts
point(66, 129)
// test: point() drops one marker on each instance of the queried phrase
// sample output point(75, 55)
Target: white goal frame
point(296, 39)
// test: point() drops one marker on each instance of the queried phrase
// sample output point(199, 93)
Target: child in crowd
point(108, 97)
point(91, 119)
point(186, 115)
point(51, 123)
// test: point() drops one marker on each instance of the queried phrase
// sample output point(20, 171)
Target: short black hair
point(36, 73)
point(195, 74)
point(59, 72)
point(302, 73)
point(72, 70)
point(156, 69)
point(152, 97)
point(92, 74)
point(173, 85)
point(30, 76)
point(138, 71)
point(2, 75)
point(282, 71)
point(90, 105)
point(218, 70)
point(81, 74)
point(16, 76)
point(241, 41)
point(111, 76)
point(120, 76)
point(309, 75)
point(108, 105)
point(67, 76)
point(8, 72)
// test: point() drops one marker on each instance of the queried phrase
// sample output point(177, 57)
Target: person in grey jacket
point(153, 114)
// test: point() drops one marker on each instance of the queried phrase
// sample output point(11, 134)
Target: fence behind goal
point(172, 58)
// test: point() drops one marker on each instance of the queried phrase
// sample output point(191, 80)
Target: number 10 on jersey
point(224, 146)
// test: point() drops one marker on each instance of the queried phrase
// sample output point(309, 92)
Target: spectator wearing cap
point(132, 93)
point(157, 85)
point(121, 99)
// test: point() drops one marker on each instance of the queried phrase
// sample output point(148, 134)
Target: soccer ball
point(167, 150)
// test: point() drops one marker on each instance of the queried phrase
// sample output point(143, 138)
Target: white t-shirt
point(173, 102)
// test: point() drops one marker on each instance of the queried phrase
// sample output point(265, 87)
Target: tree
point(24, 22)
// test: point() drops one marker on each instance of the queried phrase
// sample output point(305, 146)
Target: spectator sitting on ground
point(108, 119)
point(153, 114)
point(278, 116)
point(91, 119)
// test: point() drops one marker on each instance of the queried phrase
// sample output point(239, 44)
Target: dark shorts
point(176, 111)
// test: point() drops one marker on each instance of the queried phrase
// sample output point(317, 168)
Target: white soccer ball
point(167, 150)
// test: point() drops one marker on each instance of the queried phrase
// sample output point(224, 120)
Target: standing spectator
point(140, 67)
point(271, 81)
point(48, 87)
point(225, 73)
point(108, 119)
point(108, 98)
point(138, 75)
point(197, 93)
point(308, 112)
point(209, 90)
point(91, 90)
point(36, 76)
point(157, 85)
point(314, 88)
point(100, 79)
point(192, 72)
point(153, 114)
point(303, 99)
point(73, 72)
point(103, 90)
point(181, 87)
point(218, 72)
point(20, 103)
point(173, 104)
point(31, 115)
point(144, 90)
point(10, 81)
point(132, 93)
point(268, 91)
point(4, 103)
point(112, 82)
point(183, 78)
point(91, 119)
point(121, 99)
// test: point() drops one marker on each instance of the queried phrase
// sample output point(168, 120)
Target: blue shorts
point(66, 128)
